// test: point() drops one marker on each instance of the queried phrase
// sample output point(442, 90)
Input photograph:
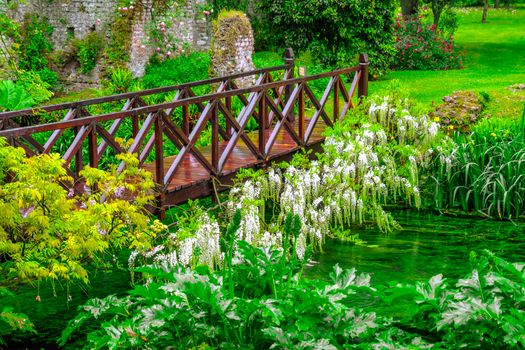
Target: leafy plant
point(15, 321)
point(14, 96)
point(38, 87)
point(423, 47)
point(88, 50)
point(483, 310)
point(270, 306)
point(181, 69)
point(120, 80)
point(48, 233)
point(35, 46)
point(484, 172)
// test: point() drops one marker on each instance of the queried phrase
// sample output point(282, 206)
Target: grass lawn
point(494, 59)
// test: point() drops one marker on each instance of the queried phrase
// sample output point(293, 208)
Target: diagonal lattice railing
point(166, 133)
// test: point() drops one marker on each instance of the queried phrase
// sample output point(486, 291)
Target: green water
point(427, 245)
point(51, 314)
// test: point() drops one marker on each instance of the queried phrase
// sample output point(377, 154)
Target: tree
point(438, 6)
point(47, 233)
point(485, 10)
point(333, 31)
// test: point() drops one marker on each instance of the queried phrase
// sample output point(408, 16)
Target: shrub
point(422, 47)
point(182, 69)
point(88, 50)
point(35, 43)
point(335, 32)
point(49, 233)
point(271, 305)
point(120, 81)
point(36, 85)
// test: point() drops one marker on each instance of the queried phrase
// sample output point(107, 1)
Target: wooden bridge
point(190, 138)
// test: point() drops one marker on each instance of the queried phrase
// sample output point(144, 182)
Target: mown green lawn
point(494, 59)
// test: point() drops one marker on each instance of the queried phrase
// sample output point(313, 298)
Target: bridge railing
point(180, 126)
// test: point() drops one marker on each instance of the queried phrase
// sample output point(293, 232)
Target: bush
point(423, 47)
point(181, 69)
point(35, 43)
point(335, 32)
point(271, 305)
point(88, 50)
point(48, 233)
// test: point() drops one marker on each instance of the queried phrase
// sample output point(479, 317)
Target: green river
point(427, 245)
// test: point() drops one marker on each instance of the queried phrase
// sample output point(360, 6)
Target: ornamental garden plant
point(237, 273)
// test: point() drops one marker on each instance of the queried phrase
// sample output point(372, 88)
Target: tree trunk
point(437, 9)
point(496, 4)
point(409, 7)
point(485, 10)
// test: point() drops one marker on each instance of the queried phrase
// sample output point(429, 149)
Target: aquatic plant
point(484, 172)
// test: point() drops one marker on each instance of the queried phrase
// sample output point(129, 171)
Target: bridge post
point(362, 89)
point(289, 59)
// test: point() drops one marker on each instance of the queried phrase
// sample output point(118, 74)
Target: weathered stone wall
point(190, 28)
point(232, 46)
point(70, 18)
point(77, 18)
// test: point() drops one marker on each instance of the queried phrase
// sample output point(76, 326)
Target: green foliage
point(14, 96)
point(48, 233)
point(9, 51)
point(15, 321)
point(117, 50)
point(484, 171)
point(181, 69)
point(483, 310)
point(35, 43)
point(423, 47)
point(335, 32)
point(273, 306)
point(36, 85)
point(88, 50)
point(120, 80)
point(270, 306)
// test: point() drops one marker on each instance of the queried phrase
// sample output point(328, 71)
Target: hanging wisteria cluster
point(359, 171)
point(397, 120)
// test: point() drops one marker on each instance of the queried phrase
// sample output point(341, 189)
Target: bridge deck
point(192, 173)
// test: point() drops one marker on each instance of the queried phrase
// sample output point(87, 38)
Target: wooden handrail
point(279, 107)
point(142, 93)
point(153, 108)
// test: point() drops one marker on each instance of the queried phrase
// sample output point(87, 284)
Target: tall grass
point(487, 172)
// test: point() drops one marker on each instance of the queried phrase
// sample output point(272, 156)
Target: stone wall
point(190, 28)
point(77, 18)
point(70, 18)
point(233, 47)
